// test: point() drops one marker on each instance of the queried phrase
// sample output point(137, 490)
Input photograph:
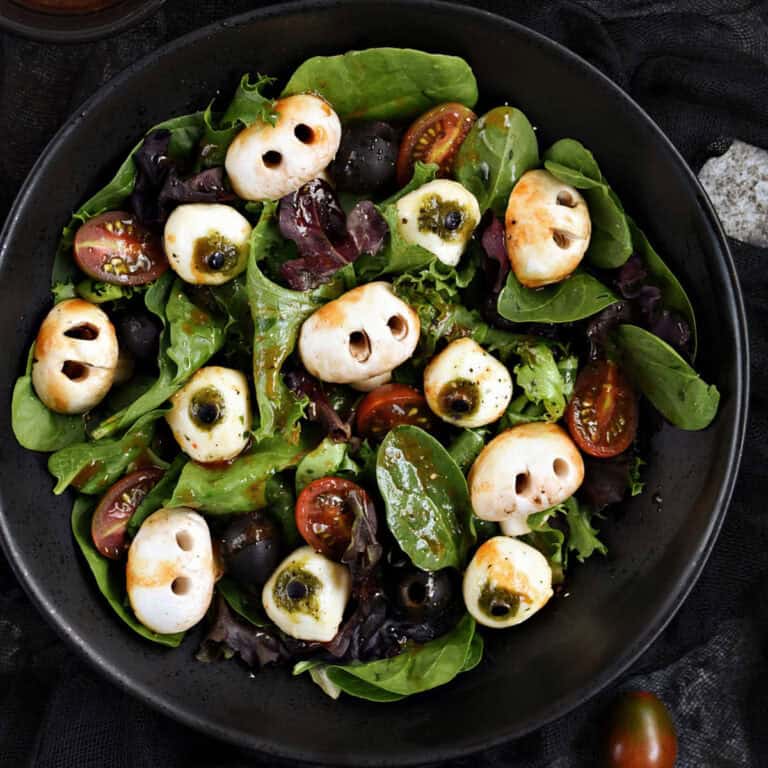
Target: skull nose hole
point(522, 482)
point(304, 133)
point(181, 585)
point(85, 331)
point(398, 327)
point(184, 540)
point(359, 346)
point(74, 371)
point(272, 158)
point(562, 240)
point(560, 467)
point(566, 198)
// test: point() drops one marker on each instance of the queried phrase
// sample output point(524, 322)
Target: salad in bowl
point(349, 373)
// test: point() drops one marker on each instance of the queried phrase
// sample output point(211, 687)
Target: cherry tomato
point(434, 138)
point(390, 405)
point(117, 505)
point(325, 514)
point(602, 414)
point(115, 248)
point(642, 733)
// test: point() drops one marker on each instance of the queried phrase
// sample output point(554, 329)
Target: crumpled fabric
point(700, 67)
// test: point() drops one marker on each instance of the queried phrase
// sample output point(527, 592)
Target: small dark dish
point(615, 608)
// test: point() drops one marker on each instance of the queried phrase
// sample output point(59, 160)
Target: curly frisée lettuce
point(390, 510)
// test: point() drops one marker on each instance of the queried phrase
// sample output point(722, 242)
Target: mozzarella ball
point(506, 582)
point(207, 243)
point(360, 337)
point(75, 357)
point(266, 162)
point(547, 229)
point(171, 572)
point(307, 594)
point(526, 469)
point(439, 216)
point(466, 386)
point(368, 385)
point(210, 415)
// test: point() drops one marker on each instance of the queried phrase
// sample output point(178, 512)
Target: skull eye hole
point(359, 346)
point(522, 482)
point(74, 371)
point(566, 198)
point(272, 158)
point(84, 331)
point(398, 327)
point(181, 585)
point(562, 239)
point(184, 540)
point(304, 133)
point(560, 467)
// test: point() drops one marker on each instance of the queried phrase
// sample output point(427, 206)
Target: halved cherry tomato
point(115, 248)
point(602, 414)
point(435, 137)
point(325, 514)
point(642, 733)
point(390, 405)
point(117, 505)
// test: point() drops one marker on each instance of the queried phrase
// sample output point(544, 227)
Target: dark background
point(701, 69)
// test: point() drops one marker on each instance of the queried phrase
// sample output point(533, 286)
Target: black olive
point(251, 547)
point(208, 413)
point(453, 220)
point(216, 260)
point(138, 332)
point(365, 162)
point(296, 590)
point(423, 595)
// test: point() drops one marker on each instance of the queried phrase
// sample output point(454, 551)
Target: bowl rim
point(667, 607)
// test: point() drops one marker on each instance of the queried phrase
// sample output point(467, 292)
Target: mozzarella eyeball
point(466, 386)
point(75, 357)
point(266, 162)
point(210, 415)
point(439, 216)
point(207, 243)
point(171, 571)
point(547, 227)
point(526, 469)
point(359, 338)
point(506, 582)
point(306, 595)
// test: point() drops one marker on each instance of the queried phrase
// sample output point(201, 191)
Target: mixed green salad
point(349, 372)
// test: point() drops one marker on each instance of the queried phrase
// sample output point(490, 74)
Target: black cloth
point(700, 67)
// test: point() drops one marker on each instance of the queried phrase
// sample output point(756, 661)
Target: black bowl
point(616, 606)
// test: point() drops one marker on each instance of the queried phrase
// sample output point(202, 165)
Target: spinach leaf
point(110, 575)
point(247, 106)
point(418, 668)
point(426, 498)
point(277, 314)
point(190, 338)
point(158, 496)
point(281, 505)
point(580, 296)
point(672, 292)
point(611, 242)
point(672, 386)
point(474, 653)
point(423, 173)
point(329, 458)
point(241, 603)
point(500, 147)
point(385, 83)
point(34, 426)
point(185, 134)
point(238, 487)
point(466, 447)
point(93, 466)
point(99, 293)
point(543, 380)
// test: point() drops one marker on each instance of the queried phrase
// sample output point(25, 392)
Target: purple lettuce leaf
point(606, 480)
point(367, 228)
point(319, 409)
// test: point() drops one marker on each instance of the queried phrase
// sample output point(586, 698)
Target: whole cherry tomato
point(602, 414)
point(435, 137)
point(390, 405)
point(115, 248)
point(642, 733)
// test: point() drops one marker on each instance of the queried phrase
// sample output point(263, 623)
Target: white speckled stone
point(737, 184)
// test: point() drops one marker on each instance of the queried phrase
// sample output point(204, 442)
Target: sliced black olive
point(365, 162)
point(423, 595)
point(251, 547)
